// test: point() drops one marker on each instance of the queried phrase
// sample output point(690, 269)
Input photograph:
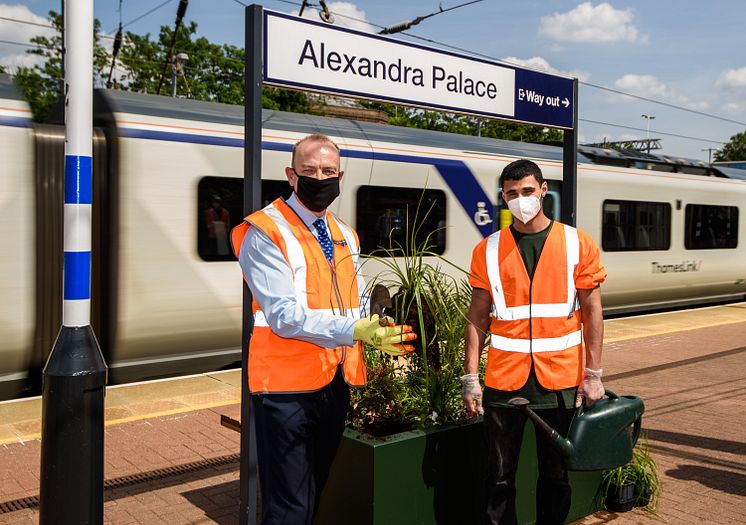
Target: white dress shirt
point(271, 283)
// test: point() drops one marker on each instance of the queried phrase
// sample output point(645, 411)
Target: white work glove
point(471, 393)
point(591, 388)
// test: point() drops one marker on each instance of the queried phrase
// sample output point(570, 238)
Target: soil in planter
point(621, 499)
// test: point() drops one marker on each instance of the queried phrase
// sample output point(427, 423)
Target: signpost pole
point(570, 165)
point(251, 202)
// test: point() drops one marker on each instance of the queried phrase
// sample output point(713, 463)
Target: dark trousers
point(297, 439)
point(504, 428)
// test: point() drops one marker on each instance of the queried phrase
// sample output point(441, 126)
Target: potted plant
point(635, 484)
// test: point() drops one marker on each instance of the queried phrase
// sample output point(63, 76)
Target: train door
point(551, 205)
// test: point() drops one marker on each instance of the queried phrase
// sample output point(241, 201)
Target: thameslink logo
point(684, 266)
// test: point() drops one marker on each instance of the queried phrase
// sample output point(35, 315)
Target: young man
point(536, 296)
point(300, 262)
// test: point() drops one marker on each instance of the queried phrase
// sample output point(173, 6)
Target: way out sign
point(313, 56)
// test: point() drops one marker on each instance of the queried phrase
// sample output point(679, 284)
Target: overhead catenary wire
point(403, 26)
point(490, 57)
point(590, 121)
point(153, 10)
point(449, 46)
point(652, 131)
point(432, 41)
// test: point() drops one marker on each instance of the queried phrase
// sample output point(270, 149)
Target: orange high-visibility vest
point(535, 321)
point(278, 364)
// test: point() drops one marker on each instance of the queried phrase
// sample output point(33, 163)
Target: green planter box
point(434, 476)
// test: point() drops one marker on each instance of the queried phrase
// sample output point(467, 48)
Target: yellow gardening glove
point(384, 338)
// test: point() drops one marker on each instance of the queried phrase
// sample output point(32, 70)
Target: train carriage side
point(18, 237)
point(667, 239)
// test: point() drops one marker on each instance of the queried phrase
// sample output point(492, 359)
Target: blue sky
point(685, 53)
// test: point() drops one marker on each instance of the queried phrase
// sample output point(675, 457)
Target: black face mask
point(317, 194)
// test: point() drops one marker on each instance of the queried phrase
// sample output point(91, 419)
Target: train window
point(635, 226)
point(220, 208)
point(710, 227)
point(385, 216)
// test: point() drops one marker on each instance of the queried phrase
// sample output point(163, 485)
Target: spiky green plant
point(642, 472)
point(425, 383)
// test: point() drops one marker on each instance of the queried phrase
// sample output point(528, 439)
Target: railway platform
point(168, 459)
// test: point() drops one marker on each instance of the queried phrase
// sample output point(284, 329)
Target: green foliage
point(42, 83)
point(464, 125)
point(642, 471)
point(213, 72)
point(733, 150)
point(421, 389)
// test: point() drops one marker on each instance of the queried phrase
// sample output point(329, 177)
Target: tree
point(42, 84)
point(452, 123)
point(733, 150)
point(212, 72)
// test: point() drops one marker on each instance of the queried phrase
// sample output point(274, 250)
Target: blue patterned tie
point(324, 240)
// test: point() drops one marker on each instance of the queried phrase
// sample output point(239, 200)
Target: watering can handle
point(609, 394)
point(636, 430)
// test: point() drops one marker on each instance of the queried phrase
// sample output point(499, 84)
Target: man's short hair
point(520, 169)
point(315, 137)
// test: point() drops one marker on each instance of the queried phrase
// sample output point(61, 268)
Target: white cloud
point(698, 105)
point(733, 107)
point(12, 55)
point(650, 86)
point(589, 23)
point(643, 85)
point(346, 14)
point(733, 78)
point(541, 64)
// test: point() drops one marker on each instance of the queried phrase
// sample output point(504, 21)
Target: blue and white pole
point(72, 447)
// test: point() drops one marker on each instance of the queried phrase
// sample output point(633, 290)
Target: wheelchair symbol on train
point(482, 215)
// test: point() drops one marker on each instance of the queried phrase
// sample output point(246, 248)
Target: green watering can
point(600, 437)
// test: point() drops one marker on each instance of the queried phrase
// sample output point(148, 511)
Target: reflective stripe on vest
point(514, 313)
point(260, 320)
point(355, 253)
point(525, 346)
point(297, 261)
point(295, 256)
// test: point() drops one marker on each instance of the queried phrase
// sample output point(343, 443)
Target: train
point(168, 184)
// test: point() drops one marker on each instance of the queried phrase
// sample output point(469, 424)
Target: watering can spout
point(600, 437)
point(563, 445)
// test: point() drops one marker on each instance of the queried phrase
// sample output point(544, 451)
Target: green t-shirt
point(530, 246)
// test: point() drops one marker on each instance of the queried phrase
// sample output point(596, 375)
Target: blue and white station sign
point(309, 55)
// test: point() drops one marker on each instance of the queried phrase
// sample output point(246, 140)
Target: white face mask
point(524, 208)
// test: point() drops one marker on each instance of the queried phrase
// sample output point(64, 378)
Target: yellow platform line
point(672, 330)
point(119, 421)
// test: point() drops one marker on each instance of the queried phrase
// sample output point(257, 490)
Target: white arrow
point(565, 102)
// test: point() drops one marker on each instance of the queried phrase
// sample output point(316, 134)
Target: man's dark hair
point(520, 169)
